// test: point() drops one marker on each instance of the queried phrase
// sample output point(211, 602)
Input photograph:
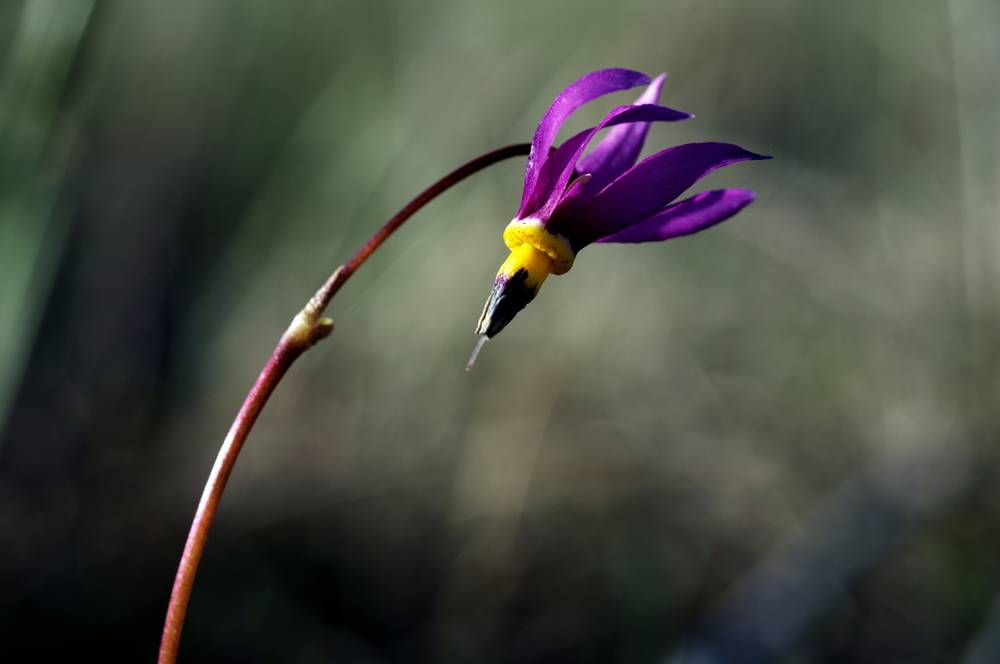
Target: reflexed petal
point(647, 187)
point(686, 217)
point(558, 169)
point(590, 86)
point(573, 195)
point(620, 149)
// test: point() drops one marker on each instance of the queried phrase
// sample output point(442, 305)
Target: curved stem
point(305, 330)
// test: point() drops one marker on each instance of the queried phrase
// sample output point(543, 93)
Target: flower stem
point(306, 329)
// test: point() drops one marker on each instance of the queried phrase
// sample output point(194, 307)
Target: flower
point(571, 200)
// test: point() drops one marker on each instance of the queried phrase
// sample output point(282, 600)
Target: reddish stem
point(305, 330)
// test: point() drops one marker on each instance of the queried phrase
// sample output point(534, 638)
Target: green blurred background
point(776, 441)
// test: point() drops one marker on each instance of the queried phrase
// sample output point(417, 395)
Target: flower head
point(572, 199)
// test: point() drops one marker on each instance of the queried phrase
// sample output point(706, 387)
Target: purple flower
point(571, 200)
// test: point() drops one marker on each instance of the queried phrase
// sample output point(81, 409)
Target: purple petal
point(573, 195)
point(620, 149)
point(557, 170)
point(590, 86)
point(648, 187)
point(686, 217)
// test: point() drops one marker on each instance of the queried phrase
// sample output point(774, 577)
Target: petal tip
point(638, 78)
point(747, 195)
point(749, 155)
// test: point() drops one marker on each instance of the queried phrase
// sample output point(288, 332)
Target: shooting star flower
point(571, 200)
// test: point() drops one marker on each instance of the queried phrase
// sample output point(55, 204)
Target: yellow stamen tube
point(516, 284)
point(534, 254)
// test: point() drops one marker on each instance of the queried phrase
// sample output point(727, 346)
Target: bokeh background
point(776, 441)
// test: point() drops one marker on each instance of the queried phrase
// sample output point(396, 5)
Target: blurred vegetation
point(775, 441)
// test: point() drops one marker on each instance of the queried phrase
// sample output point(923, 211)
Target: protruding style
point(480, 342)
